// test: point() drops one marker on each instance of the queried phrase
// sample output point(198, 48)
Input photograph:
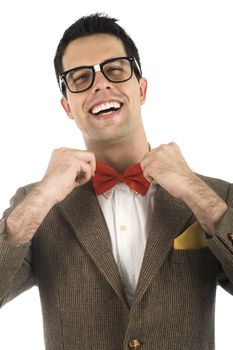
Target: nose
point(100, 83)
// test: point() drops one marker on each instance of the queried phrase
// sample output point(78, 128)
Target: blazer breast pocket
point(192, 238)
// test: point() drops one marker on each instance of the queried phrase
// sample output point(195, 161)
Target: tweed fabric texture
point(83, 303)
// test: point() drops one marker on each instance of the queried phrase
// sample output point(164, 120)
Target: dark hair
point(97, 23)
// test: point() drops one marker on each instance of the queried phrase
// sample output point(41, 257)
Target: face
point(89, 108)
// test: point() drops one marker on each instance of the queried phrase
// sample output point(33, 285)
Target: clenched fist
point(67, 169)
point(166, 166)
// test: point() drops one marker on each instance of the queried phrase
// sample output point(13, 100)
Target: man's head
point(91, 25)
point(98, 67)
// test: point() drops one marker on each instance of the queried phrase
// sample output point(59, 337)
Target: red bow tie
point(106, 177)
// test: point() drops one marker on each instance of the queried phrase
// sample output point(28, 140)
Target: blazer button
point(230, 236)
point(134, 344)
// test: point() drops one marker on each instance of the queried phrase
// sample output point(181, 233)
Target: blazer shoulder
point(19, 195)
point(23, 191)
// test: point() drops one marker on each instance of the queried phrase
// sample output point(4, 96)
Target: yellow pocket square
point(192, 238)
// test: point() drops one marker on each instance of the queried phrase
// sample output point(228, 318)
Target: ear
point(66, 106)
point(143, 90)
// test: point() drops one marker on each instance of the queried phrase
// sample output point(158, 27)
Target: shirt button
point(230, 236)
point(122, 227)
point(134, 344)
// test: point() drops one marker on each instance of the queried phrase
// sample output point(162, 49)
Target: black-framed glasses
point(116, 70)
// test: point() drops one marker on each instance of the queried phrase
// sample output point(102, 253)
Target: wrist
point(24, 220)
point(15, 241)
point(206, 205)
point(42, 195)
point(14, 234)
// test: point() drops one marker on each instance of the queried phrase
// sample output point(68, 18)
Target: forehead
point(90, 50)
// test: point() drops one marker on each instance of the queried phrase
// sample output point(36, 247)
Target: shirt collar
point(123, 187)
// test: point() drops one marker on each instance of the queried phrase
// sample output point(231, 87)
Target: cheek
point(136, 100)
point(77, 112)
point(82, 118)
point(136, 94)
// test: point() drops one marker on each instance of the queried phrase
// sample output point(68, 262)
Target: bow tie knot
point(120, 177)
point(106, 177)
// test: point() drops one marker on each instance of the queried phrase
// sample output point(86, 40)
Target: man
point(125, 243)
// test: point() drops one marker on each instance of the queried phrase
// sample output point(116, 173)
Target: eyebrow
point(92, 65)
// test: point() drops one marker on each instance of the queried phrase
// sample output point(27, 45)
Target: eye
point(80, 77)
point(114, 70)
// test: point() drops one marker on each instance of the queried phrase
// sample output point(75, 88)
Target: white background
point(186, 52)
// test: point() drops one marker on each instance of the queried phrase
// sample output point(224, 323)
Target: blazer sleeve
point(221, 244)
point(16, 272)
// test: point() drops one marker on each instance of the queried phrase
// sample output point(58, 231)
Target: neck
point(119, 154)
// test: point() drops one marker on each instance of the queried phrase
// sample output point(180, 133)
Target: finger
point(89, 158)
point(84, 172)
point(147, 160)
point(148, 177)
point(146, 172)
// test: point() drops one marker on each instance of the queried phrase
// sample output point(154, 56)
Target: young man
point(125, 243)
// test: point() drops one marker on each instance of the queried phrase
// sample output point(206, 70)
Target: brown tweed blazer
point(84, 307)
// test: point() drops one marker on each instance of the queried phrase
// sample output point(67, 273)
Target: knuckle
point(161, 148)
point(91, 155)
point(173, 144)
point(61, 149)
point(55, 151)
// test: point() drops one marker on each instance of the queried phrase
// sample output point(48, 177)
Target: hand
point(166, 166)
point(67, 169)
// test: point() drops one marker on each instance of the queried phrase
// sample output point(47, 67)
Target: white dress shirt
point(128, 215)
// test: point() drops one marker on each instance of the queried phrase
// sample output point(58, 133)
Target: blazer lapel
point(169, 219)
point(82, 210)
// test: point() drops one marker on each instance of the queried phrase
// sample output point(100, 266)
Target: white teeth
point(105, 106)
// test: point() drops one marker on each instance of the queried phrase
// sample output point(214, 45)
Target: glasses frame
point(99, 68)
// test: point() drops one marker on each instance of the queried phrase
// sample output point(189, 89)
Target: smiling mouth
point(106, 108)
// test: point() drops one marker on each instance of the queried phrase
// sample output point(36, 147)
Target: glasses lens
point(118, 70)
point(79, 79)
